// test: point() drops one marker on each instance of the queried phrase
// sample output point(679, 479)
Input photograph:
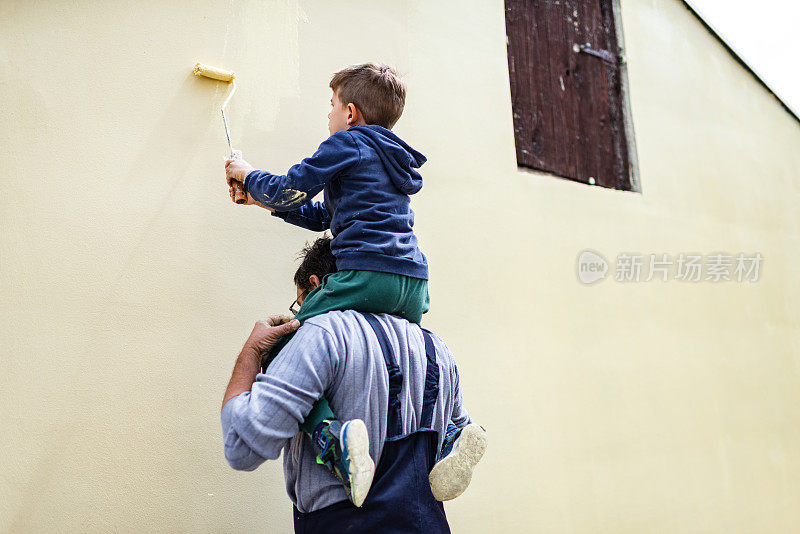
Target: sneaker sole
point(361, 467)
point(451, 476)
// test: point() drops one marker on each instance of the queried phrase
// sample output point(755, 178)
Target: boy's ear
point(353, 115)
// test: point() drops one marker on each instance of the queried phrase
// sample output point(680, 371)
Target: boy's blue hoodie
point(366, 174)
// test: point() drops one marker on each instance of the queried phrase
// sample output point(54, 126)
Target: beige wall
point(129, 280)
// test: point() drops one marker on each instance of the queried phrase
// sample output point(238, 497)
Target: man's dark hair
point(317, 259)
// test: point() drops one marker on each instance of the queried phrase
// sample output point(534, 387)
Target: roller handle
point(239, 196)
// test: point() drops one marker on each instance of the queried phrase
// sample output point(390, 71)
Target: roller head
point(213, 72)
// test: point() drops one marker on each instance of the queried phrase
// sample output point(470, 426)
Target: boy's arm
point(312, 216)
point(303, 181)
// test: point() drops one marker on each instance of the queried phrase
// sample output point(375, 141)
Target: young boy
point(366, 174)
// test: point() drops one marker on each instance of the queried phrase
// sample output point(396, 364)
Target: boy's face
point(339, 115)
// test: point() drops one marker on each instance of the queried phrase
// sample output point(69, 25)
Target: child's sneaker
point(461, 451)
point(345, 451)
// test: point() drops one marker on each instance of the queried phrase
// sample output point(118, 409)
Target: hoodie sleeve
point(312, 216)
point(303, 181)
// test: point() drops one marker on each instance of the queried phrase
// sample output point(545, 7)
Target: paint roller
point(223, 75)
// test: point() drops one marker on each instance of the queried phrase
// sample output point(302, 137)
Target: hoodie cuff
point(247, 179)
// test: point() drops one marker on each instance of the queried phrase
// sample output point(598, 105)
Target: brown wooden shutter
point(567, 105)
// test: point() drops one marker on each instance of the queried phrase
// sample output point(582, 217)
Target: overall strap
point(394, 421)
point(431, 382)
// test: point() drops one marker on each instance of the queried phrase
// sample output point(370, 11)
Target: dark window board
point(571, 109)
point(627, 116)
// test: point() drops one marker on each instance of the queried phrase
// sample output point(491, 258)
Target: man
point(401, 381)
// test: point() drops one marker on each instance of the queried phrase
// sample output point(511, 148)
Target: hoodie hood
point(400, 160)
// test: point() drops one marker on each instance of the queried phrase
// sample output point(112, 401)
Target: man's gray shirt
point(335, 355)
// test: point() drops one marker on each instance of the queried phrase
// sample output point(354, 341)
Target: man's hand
point(268, 331)
point(265, 334)
point(236, 169)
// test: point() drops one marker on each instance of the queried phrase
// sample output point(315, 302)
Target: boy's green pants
point(364, 291)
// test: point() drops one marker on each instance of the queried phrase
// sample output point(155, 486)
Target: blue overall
point(400, 500)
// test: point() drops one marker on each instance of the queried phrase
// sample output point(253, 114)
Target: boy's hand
point(232, 192)
point(236, 169)
point(250, 200)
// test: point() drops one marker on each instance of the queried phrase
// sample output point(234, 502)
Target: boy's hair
point(317, 259)
point(375, 89)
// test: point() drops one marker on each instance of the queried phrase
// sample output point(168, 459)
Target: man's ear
point(353, 115)
point(314, 281)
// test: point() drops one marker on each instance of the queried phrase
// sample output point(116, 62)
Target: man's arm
point(258, 422)
point(263, 337)
point(460, 416)
point(303, 181)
